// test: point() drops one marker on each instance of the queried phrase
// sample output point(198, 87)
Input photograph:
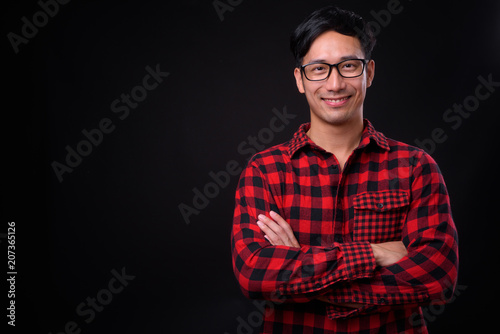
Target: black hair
point(330, 18)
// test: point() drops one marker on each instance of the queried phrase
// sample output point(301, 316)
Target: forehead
point(332, 46)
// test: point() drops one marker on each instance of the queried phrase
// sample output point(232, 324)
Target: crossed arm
point(279, 233)
point(413, 271)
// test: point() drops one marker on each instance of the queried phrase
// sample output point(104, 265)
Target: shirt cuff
point(359, 260)
point(356, 261)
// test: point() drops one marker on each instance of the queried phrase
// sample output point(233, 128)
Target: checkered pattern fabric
point(387, 191)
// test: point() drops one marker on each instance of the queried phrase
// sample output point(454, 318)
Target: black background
point(119, 207)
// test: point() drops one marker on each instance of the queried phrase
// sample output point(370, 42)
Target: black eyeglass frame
point(364, 61)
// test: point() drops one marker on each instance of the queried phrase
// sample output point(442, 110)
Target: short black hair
point(330, 18)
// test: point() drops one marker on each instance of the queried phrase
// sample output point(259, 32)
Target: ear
point(370, 72)
point(298, 79)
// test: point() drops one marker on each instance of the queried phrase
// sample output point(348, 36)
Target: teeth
point(337, 101)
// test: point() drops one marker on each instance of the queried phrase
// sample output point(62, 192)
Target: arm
point(388, 253)
point(263, 269)
point(429, 271)
point(278, 232)
point(414, 271)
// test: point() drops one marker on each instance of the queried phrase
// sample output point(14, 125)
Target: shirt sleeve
point(429, 272)
point(284, 273)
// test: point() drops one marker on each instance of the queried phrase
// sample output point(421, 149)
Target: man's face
point(336, 100)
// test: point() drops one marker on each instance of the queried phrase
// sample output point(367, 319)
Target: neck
point(338, 139)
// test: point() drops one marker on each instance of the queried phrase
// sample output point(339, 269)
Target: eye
point(351, 65)
point(319, 68)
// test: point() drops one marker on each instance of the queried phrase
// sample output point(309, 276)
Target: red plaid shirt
point(387, 191)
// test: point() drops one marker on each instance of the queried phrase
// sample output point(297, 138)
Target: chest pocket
point(379, 216)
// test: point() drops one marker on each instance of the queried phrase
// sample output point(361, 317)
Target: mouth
point(336, 102)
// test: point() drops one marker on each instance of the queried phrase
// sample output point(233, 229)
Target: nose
point(335, 82)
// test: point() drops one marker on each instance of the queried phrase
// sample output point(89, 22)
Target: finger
point(278, 235)
point(269, 234)
point(274, 231)
point(265, 236)
point(286, 227)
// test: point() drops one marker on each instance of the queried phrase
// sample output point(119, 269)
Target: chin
point(337, 116)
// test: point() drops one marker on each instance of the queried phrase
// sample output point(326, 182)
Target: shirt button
point(380, 205)
point(382, 300)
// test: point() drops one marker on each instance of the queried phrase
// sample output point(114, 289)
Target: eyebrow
point(341, 59)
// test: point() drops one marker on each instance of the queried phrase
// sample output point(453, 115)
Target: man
point(340, 229)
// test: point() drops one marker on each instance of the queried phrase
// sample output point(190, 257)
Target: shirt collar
point(301, 140)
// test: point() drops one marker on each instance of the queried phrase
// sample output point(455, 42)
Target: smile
point(336, 102)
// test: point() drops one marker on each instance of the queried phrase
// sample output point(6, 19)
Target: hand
point(388, 253)
point(277, 231)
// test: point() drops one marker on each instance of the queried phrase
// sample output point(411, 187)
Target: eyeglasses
point(350, 68)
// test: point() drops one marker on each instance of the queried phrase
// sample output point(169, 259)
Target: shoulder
point(400, 148)
point(420, 162)
point(271, 159)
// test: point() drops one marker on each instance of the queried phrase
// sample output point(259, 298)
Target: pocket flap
point(381, 200)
